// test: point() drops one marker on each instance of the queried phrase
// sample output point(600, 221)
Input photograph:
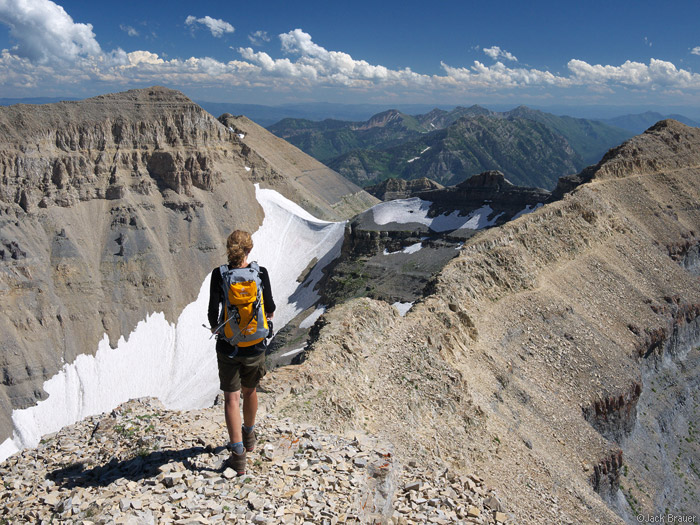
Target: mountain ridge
point(557, 330)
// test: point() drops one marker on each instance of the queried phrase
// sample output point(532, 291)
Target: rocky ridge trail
point(539, 331)
point(141, 464)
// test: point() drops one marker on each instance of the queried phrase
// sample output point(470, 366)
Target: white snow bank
point(293, 352)
point(177, 362)
point(241, 135)
point(247, 168)
point(403, 308)
point(311, 319)
point(288, 240)
point(416, 158)
point(405, 211)
point(413, 248)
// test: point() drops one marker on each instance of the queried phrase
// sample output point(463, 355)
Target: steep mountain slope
point(295, 174)
point(528, 152)
point(329, 138)
point(118, 206)
point(558, 355)
point(590, 139)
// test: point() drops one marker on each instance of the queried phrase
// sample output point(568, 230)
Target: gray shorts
point(237, 371)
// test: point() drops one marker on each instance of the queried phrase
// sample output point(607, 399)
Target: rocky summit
point(141, 464)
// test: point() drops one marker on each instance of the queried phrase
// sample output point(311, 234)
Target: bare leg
point(232, 411)
point(250, 405)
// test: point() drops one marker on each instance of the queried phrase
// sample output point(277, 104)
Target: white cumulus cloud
point(258, 37)
point(43, 31)
point(216, 26)
point(496, 53)
point(501, 76)
point(657, 74)
point(143, 57)
point(317, 64)
point(53, 54)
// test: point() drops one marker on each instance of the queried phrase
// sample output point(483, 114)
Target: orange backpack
point(242, 320)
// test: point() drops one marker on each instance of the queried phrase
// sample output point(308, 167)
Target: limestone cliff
point(401, 189)
point(558, 355)
point(117, 206)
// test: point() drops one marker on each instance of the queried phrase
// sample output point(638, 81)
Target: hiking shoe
point(237, 462)
point(249, 440)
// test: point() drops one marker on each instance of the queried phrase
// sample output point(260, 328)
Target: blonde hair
point(238, 246)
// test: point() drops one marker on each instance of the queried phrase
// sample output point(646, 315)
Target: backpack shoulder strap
point(255, 266)
point(223, 269)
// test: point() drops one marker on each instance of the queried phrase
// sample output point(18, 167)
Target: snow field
point(288, 240)
point(413, 248)
point(403, 308)
point(405, 211)
point(177, 362)
point(309, 321)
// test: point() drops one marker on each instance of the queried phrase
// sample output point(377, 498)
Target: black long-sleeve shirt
point(216, 301)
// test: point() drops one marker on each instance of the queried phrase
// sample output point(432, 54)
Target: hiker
point(238, 314)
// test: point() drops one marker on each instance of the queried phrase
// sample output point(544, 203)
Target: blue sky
point(440, 52)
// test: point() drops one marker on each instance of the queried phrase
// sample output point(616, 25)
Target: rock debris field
point(141, 464)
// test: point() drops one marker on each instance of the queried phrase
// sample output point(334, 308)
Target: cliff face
point(401, 189)
point(558, 354)
point(118, 206)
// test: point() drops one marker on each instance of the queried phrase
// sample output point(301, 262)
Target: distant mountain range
point(394, 143)
point(640, 122)
point(531, 147)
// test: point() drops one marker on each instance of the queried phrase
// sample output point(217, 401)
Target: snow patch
point(241, 135)
point(309, 321)
point(405, 211)
point(403, 308)
point(416, 158)
point(413, 248)
point(177, 362)
point(293, 352)
point(247, 168)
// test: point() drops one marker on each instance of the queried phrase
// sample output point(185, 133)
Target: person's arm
point(268, 301)
point(214, 298)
